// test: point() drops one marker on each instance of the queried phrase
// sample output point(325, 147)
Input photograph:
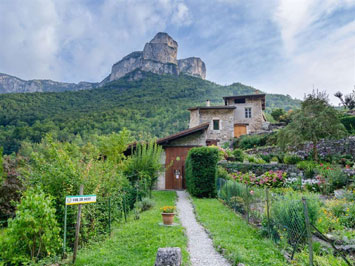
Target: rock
point(159, 56)
point(192, 66)
point(168, 257)
point(162, 48)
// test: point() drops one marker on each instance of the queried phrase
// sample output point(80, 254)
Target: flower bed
point(268, 179)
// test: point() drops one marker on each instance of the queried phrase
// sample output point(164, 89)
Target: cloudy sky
point(280, 46)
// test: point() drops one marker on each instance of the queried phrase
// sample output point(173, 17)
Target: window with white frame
point(248, 112)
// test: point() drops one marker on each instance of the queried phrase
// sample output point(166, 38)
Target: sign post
point(75, 200)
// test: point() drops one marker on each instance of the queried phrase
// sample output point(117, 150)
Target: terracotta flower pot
point(168, 218)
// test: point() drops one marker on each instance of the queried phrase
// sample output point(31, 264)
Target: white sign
point(83, 199)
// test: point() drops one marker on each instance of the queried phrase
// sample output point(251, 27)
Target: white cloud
point(320, 53)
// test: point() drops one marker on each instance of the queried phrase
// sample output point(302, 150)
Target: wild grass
point(137, 241)
point(233, 237)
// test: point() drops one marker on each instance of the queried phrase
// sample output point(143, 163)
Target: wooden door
point(175, 167)
point(239, 130)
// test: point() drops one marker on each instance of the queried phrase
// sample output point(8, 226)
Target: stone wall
point(260, 169)
point(226, 131)
point(257, 119)
point(325, 148)
point(160, 185)
point(194, 118)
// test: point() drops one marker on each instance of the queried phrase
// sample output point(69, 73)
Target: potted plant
point(168, 213)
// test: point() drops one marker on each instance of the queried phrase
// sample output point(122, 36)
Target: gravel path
point(200, 245)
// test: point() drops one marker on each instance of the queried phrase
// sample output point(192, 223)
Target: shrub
point(277, 113)
point(308, 168)
point(268, 179)
point(238, 155)
point(201, 167)
point(233, 193)
point(222, 173)
point(274, 159)
point(255, 159)
point(334, 176)
point(288, 213)
point(145, 204)
point(33, 233)
point(250, 141)
point(292, 159)
point(144, 164)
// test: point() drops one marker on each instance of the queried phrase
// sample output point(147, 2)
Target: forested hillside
point(152, 106)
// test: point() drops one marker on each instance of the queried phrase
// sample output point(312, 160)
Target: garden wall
point(260, 169)
point(325, 148)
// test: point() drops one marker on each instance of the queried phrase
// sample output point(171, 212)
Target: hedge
point(200, 170)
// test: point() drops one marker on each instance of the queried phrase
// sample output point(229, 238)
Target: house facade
point(209, 125)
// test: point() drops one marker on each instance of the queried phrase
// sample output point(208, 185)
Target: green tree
point(315, 120)
point(145, 164)
point(277, 113)
point(34, 232)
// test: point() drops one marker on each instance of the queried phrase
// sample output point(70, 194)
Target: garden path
point(200, 245)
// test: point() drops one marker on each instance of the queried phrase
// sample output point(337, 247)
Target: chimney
point(208, 103)
point(257, 92)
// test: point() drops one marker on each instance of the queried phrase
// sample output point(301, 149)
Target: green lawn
point(137, 241)
point(232, 235)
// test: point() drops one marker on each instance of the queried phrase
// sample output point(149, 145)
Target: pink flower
point(251, 192)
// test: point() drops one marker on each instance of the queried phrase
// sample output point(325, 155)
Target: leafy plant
point(222, 173)
point(291, 158)
point(144, 165)
point(168, 209)
point(334, 175)
point(145, 204)
point(238, 155)
point(34, 232)
point(308, 167)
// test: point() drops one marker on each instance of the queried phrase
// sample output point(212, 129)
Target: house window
point(242, 100)
point(215, 124)
point(248, 112)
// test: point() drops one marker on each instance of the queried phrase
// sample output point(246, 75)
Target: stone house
point(210, 125)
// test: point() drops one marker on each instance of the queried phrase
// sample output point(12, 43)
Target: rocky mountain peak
point(162, 48)
point(158, 56)
point(163, 37)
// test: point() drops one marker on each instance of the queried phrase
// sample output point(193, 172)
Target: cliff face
point(11, 84)
point(193, 66)
point(159, 56)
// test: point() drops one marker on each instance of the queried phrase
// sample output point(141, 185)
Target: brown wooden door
point(175, 167)
point(239, 130)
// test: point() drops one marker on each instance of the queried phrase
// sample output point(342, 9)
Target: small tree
point(34, 232)
point(145, 164)
point(278, 113)
point(315, 120)
point(348, 101)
